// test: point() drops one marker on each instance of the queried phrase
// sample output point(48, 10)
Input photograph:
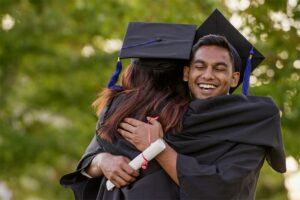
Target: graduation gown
point(221, 150)
point(223, 145)
point(152, 183)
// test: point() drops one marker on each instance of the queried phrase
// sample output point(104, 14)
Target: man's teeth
point(207, 86)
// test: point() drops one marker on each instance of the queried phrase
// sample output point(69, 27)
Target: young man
point(225, 138)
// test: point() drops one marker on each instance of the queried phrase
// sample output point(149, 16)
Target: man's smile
point(207, 86)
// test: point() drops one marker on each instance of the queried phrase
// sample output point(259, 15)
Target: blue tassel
point(247, 72)
point(114, 78)
point(143, 43)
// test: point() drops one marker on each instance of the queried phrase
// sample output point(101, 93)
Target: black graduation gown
point(152, 183)
point(223, 145)
point(221, 149)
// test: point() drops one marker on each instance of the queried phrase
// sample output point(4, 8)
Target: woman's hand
point(114, 168)
point(139, 133)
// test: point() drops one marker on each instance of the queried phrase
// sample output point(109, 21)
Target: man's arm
point(136, 132)
point(167, 160)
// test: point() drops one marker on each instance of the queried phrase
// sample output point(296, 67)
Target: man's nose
point(208, 74)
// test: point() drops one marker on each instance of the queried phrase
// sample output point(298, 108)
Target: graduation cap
point(156, 46)
point(217, 24)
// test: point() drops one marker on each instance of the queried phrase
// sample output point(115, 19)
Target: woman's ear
point(186, 71)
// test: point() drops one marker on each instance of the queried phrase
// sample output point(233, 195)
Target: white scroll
point(153, 150)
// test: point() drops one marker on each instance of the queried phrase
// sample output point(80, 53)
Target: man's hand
point(116, 169)
point(139, 133)
point(136, 132)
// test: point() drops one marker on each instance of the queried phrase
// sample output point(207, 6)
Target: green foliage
point(47, 85)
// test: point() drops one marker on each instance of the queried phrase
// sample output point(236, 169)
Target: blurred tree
point(55, 56)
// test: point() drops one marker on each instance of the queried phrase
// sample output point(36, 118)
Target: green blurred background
point(55, 56)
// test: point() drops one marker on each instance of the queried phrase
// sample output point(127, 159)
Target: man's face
point(211, 72)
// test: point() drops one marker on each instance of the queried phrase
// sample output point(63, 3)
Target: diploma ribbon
point(145, 162)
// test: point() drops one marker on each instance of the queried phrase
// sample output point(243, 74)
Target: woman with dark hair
point(151, 87)
point(146, 92)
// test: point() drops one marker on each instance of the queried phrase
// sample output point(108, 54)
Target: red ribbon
point(150, 119)
point(145, 162)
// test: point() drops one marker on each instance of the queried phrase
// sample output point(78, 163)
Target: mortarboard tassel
point(114, 78)
point(247, 72)
point(143, 43)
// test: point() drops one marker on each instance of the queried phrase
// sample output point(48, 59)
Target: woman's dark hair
point(146, 92)
point(219, 41)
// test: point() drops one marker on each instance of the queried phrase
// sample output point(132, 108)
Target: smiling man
point(225, 138)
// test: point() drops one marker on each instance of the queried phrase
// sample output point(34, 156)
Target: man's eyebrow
point(199, 61)
point(214, 64)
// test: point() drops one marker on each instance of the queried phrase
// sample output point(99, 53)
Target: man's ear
point(235, 79)
point(186, 71)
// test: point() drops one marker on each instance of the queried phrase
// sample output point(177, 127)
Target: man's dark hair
point(222, 42)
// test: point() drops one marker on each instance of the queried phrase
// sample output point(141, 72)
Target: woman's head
point(154, 74)
point(153, 83)
point(150, 87)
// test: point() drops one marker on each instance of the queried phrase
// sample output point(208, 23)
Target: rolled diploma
point(153, 150)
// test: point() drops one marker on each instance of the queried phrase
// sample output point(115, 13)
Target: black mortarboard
point(153, 45)
point(217, 24)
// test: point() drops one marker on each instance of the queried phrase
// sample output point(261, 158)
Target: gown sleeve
point(231, 176)
point(83, 186)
